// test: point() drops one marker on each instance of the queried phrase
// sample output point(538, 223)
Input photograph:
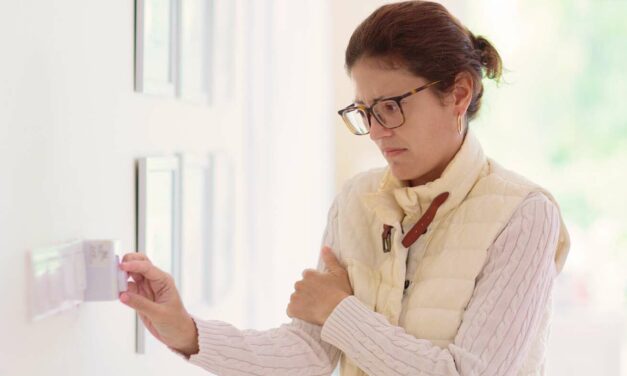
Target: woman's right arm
point(221, 348)
point(291, 349)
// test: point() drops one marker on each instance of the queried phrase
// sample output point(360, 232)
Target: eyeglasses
point(387, 111)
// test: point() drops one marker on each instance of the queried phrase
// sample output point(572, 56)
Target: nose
point(377, 131)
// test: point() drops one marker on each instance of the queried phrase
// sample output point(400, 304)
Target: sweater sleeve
point(498, 325)
point(292, 349)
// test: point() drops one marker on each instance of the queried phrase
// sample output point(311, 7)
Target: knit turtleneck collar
point(394, 199)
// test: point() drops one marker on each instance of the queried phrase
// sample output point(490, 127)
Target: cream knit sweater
point(510, 305)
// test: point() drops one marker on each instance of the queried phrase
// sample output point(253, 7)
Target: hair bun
point(480, 45)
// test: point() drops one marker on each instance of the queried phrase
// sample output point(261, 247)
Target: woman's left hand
point(318, 293)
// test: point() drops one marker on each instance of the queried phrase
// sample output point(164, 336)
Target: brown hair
point(425, 38)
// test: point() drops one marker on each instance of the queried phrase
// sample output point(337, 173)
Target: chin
point(401, 173)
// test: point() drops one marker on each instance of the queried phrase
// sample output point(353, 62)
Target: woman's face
point(420, 149)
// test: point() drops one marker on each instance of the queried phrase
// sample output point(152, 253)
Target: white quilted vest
point(483, 197)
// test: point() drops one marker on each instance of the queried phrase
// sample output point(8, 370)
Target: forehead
point(374, 80)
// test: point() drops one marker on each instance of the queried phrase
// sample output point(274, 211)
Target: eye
point(389, 107)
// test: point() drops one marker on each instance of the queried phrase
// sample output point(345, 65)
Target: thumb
point(330, 260)
point(140, 303)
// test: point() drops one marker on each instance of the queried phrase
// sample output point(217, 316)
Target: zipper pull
point(386, 238)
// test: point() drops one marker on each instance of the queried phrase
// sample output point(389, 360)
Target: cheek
point(427, 112)
point(423, 156)
point(421, 135)
point(424, 138)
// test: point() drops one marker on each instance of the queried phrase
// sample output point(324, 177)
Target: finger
point(138, 278)
point(140, 304)
point(330, 260)
point(298, 285)
point(308, 273)
point(134, 256)
point(291, 308)
point(135, 276)
point(141, 289)
point(146, 290)
point(132, 287)
point(145, 268)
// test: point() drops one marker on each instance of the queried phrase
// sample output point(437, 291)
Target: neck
point(428, 177)
point(436, 172)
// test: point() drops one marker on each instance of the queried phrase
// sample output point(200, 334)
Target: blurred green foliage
point(560, 117)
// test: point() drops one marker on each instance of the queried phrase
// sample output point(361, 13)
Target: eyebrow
point(362, 102)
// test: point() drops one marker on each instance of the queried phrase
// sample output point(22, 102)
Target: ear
point(463, 89)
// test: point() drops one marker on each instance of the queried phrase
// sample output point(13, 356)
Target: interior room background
point(72, 126)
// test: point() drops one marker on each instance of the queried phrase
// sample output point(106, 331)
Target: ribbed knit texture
point(509, 303)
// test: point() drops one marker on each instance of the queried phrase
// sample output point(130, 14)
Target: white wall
point(291, 159)
point(70, 129)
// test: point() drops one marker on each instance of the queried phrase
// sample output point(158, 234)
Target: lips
point(391, 152)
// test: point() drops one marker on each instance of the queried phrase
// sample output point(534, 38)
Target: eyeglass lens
point(387, 113)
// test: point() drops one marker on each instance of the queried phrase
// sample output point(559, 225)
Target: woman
point(440, 264)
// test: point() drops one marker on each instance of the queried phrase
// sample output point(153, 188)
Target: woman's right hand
point(154, 296)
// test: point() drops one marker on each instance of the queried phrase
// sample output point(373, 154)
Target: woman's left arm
point(498, 326)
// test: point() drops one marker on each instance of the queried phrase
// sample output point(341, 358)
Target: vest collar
point(394, 200)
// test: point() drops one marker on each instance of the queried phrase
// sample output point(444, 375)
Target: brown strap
point(423, 223)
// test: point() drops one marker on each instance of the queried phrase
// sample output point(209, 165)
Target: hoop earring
point(459, 125)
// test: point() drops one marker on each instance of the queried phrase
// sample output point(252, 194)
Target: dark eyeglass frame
point(369, 112)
